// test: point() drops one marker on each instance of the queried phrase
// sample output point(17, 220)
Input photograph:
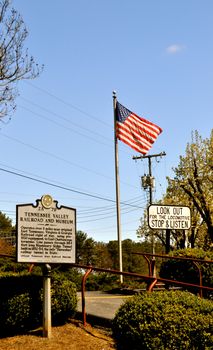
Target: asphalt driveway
point(101, 304)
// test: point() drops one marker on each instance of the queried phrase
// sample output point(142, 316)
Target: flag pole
point(117, 182)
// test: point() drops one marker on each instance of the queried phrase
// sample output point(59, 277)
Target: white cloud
point(174, 48)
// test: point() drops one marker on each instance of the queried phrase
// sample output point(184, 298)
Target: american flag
point(136, 132)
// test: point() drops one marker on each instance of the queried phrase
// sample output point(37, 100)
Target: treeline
point(105, 255)
point(91, 252)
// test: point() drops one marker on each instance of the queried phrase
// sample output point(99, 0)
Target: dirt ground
point(72, 336)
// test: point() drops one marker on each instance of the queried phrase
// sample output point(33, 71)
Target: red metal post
point(31, 268)
point(149, 264)
point(200, 278)
point(151, 286)
point(83, 295)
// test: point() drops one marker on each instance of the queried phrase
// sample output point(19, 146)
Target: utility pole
point(148, 182)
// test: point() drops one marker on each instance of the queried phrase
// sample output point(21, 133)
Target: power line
point(62, 126)
point(57, 186)
point(97, 229)
point(73, 131)
point(63, 118)
point(61, 159)
point(53, 155)
point(108, 208)
point(106, 217)
point(64, 187)
point(105, 212)
point(67, 103)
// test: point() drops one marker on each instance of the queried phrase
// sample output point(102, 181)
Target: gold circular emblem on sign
point(46, 201)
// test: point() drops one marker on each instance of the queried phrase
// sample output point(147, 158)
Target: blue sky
point(157, 55)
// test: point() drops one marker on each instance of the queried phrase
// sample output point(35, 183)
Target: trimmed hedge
point(164, 320)
point(21, 302)
point(186, 271)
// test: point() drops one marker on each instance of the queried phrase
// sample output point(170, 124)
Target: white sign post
point(169, 217)
point(46, 234)
point(47, 319)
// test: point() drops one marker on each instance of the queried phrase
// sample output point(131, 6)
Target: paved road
point(101, 304)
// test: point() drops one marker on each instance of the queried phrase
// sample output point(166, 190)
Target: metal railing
point(151, 263)
point(150, 279)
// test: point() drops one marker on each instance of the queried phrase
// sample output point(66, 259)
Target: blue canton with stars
point(122, 113)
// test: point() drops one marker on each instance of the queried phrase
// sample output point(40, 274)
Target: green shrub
point(15, 313)
point(71, 273)
point(63, 299)
point(75, 276)
point(20, 305)
point(9, 265)
point(164, 320)
point(21, 301)
point(100, 281)
point(186, 271)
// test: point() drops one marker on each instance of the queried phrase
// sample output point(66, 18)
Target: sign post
point(47, 320)
point(46, 234)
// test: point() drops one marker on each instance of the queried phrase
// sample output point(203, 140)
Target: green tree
point(112, 248)
point(5, 224)
point(85, 249)
point(131, 261)
point(149, 235)
point(15, 62)
point(103, 258)
point(6, 229)
point(193, 185)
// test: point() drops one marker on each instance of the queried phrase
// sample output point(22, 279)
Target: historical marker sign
point(45, 232)
point(169, 217)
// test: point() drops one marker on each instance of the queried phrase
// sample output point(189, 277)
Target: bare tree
point(15, 62)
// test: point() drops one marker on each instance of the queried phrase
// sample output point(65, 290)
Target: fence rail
point(150, 280)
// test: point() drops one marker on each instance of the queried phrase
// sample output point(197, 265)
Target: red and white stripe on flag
point(136, 132)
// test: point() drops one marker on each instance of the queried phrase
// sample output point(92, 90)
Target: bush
point(9, 265)
point(21, 302)
point(15, 314)
point(70, 273)
point(63, 299)
point(186, 271)
point(164, 320)
point(100, 281)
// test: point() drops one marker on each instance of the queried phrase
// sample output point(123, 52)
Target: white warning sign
point(168, 217)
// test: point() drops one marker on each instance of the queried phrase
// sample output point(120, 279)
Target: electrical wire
point(105, 217)
point(101, 210)
point(63, 118)
point(61, 186)
point(64, 187)
point(62, 126)
point(67, 103)
point(54, 156)
point(61, 159)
